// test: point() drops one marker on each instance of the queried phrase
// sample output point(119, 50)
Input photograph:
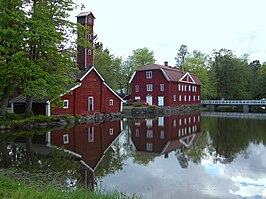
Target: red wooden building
point(166, 134)
point(163, 85)
point(91, 95)
point(89, 142)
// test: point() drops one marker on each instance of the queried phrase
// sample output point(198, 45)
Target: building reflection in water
point(89, 142)
point(163, 135)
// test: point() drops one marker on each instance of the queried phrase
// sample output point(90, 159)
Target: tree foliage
point(181, 55)
point(33, 55)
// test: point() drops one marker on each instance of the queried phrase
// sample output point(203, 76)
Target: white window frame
point(65, 139)
point(90, 100)
point(149, 133)
point(65, 106)
point(137, 133)
point(162, 134)
point(161, 87)
point(148, 74)
point(180, 98)
point(137, 88)
point(111, 102)
point(111, 131)
point(179, 87)
point(149, 87)
point(189, 87)
point(91, 134)
point(89, 52)
point(174, 98)
point(185, 98)
point(148, 146)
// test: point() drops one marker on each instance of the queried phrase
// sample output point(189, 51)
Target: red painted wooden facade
point(91, 89)
point(163, 85)
point(89, 142)
point(166, 134)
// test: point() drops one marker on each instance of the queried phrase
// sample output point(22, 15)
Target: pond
point(192, 155)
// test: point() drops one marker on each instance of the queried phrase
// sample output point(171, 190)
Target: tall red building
point(91, 95)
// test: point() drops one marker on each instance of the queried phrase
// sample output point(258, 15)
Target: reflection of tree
point(225, 138)
point(112, 162)
point(182, 159)
point(55, 166)
point(142, 158)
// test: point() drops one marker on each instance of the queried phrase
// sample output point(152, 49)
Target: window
point(89, 36)
point(174, 124)
point(91, 134)
point(65, 104)
point(160, 121)
point(185, 87)
point(137, 133)
point(194, 98)
point(179, 87)
point(89, 51)
point(189, 98)
point(162, 134)
point(149, 87)
point(65, 139)
point(111, 131)
point(195, 89)
point(137, 88)
point(149, 74)
point(174, 96)
point(198, 98)
point(149, 134)
point(185, 98)
point(182, 87)
point(180, 98)
point(90, 104)
point(111, 102)
point(161, 87)
point(149, 146)
point(149, 122)
point(189, 88)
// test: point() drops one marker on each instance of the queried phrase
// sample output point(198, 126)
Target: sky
point(163, 26)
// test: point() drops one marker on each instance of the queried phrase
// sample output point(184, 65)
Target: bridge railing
point(233, 102)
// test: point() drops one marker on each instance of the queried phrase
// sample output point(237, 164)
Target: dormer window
point(149, 74)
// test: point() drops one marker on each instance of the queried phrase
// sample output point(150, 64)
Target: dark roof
point(83, 14)
point(22, 99)
point(81, 73)
point(173, 74)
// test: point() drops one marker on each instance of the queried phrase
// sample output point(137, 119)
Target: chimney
point(166, 63)
point(85, 56)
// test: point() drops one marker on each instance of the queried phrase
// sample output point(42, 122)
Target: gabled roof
point(79, 76)
point(170, 73)
point(83, 14)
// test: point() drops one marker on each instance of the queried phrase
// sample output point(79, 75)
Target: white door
point(149, 99)
point(161, 101)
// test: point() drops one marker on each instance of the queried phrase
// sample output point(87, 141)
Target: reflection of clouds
point(249, 187)
point(164, 178)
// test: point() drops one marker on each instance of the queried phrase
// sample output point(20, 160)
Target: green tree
point(260, 84)
point(49, 68)
point(141, 57)
point(12, 34)
point(229, 76)
point(107, 65)
point(181, 55)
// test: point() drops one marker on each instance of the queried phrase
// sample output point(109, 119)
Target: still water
point(194, 155)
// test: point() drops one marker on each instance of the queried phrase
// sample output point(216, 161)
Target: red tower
point(85, 56)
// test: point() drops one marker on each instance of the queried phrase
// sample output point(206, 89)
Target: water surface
point(182, 156)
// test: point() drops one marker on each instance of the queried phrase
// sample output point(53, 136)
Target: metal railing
point(233, 102)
